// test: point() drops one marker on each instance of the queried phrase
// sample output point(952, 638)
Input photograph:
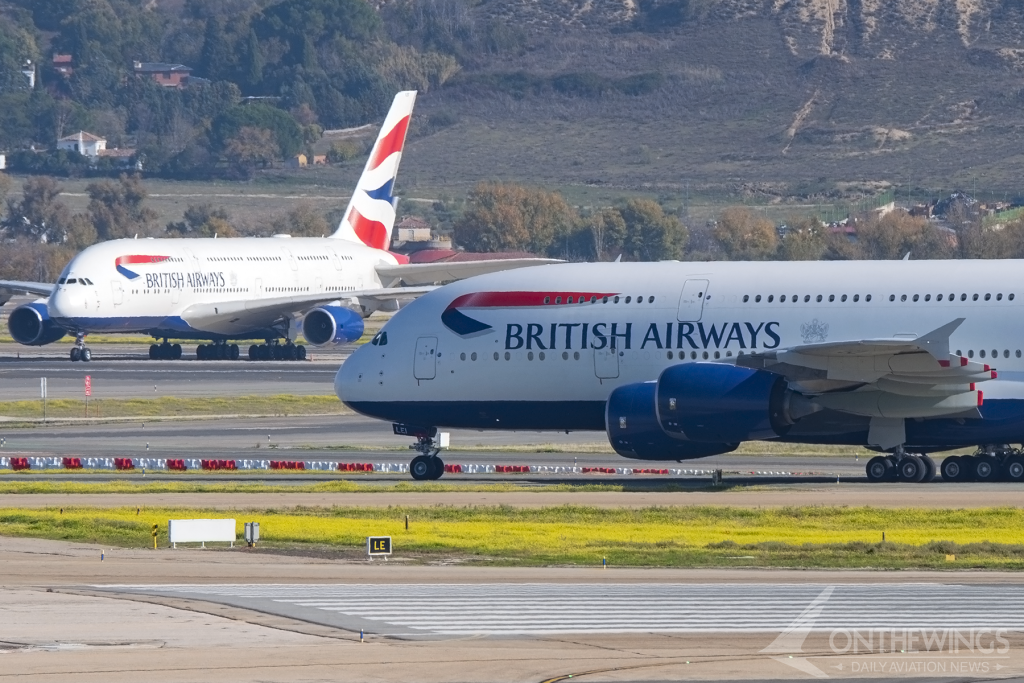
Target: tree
point(805, 240)
point(504, 216)
point(118, 209)
point(253, 67)
point(897, 233)
point(203, 220)
point(745, 236)
point(250, 148)
point(39, 216)
point(287, 135)
point(608, 229)
point(651, 234)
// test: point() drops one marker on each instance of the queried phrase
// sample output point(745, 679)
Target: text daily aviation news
point(266, 289)
point(685, 360)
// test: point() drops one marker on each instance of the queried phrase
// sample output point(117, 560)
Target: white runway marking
point(539, 609)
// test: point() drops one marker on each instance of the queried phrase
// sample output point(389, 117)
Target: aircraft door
point(606, 363)
point(319, 285)
point(258, 289)
point(115, 288)
point(691, 301)
point(291, 259)
point(425, 365)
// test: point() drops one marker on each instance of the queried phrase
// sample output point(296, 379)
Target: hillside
point(762, 97)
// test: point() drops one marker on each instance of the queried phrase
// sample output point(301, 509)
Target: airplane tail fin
point(370, 216)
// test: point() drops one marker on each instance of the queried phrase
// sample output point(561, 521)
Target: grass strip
point(281, 404)
point(824, 537)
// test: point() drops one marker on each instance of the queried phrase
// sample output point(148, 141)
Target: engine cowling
point(713, 402)
point(634, 431)
point(30, 324)
point(332, 325)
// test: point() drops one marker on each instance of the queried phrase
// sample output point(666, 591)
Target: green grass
point(826, 537)
point(281, 404)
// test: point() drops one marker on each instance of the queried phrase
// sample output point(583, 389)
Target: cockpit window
point(381, 339)
point(85, 280)
point(62, 281)
point(72, 281)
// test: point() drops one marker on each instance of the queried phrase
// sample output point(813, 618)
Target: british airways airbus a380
point(245, 288)
point(685, 360)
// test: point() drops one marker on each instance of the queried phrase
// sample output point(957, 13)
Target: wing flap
point(446, 271)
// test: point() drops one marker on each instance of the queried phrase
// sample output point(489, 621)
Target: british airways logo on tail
point(120, 262)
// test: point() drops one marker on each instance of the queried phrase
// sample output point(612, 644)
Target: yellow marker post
point(156, 531)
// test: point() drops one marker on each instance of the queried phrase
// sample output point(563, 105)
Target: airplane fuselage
point(543, 348)
point(146, 285)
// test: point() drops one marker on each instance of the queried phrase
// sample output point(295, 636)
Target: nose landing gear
point(80, 352)
point(426, 465)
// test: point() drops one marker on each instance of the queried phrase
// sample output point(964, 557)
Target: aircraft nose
point(348, 383)
point(61, 303)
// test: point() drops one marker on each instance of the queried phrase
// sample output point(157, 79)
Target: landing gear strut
point(426, 465)
point(80, 352)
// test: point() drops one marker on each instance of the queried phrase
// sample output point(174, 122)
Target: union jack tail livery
point(370, 216)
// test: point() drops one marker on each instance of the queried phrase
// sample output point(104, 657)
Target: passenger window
point(963, 297)
point(987, 297)
point(807, 297)
point(843, 298)
point(974, 298)
point(650, 299)
point(757, 299)
point(916, 297)
point(831, 298)
point(782, 299)
point(999, 297)
point(819, 299)
point(628, 299)
point(746, 298)
point(771, 298)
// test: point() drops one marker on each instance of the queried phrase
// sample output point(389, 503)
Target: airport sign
point(378, 546)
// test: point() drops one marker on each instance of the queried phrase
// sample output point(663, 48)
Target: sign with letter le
point(377, 546)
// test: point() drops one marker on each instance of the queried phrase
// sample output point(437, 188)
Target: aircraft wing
point(8, 288)
point(229, 317)
point(888, 380)
point(446, 271)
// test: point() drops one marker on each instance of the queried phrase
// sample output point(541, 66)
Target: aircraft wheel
point(291, 353)
point(265, 352)
point(254, 352)
point(86, 355)
point(438, 468)
point(986, 468)
point(911, 468)
point(176, 352)
point(1013, 470)
point(300, 350)
point(930, 468)
point(954, 468)
point(76, 354)
point(420, 468)
point(234, 352)
point(154, 352)
point(880, 469)
point(201, 352)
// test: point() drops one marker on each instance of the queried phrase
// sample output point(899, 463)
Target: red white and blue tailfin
point(370, 216)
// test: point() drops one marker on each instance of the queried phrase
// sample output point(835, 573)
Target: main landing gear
point(426, 465)
point(217, 351)
point(80, 352)
point(164, 351)
point(274, 351)
point(901, 466)
point(989, 463)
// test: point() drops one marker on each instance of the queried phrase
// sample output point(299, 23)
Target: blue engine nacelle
point(712, 402)
point(30, 325)
point(634, 432)
point(332, 325)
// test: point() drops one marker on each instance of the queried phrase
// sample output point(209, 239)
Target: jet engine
point(332, 325)
point(30, 325)
point(634, 432)
point(698, 409)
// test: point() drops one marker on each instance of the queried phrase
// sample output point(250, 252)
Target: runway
point(538, 609)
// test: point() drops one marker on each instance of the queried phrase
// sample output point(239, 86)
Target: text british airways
point(669, 335)
point(182, 280)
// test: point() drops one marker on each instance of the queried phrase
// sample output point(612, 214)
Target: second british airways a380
point(225, 290)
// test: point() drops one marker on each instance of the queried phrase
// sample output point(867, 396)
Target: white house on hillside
point(84, 143)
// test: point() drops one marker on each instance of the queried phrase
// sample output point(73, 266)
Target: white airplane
point(685, 360)
point(245, 288)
